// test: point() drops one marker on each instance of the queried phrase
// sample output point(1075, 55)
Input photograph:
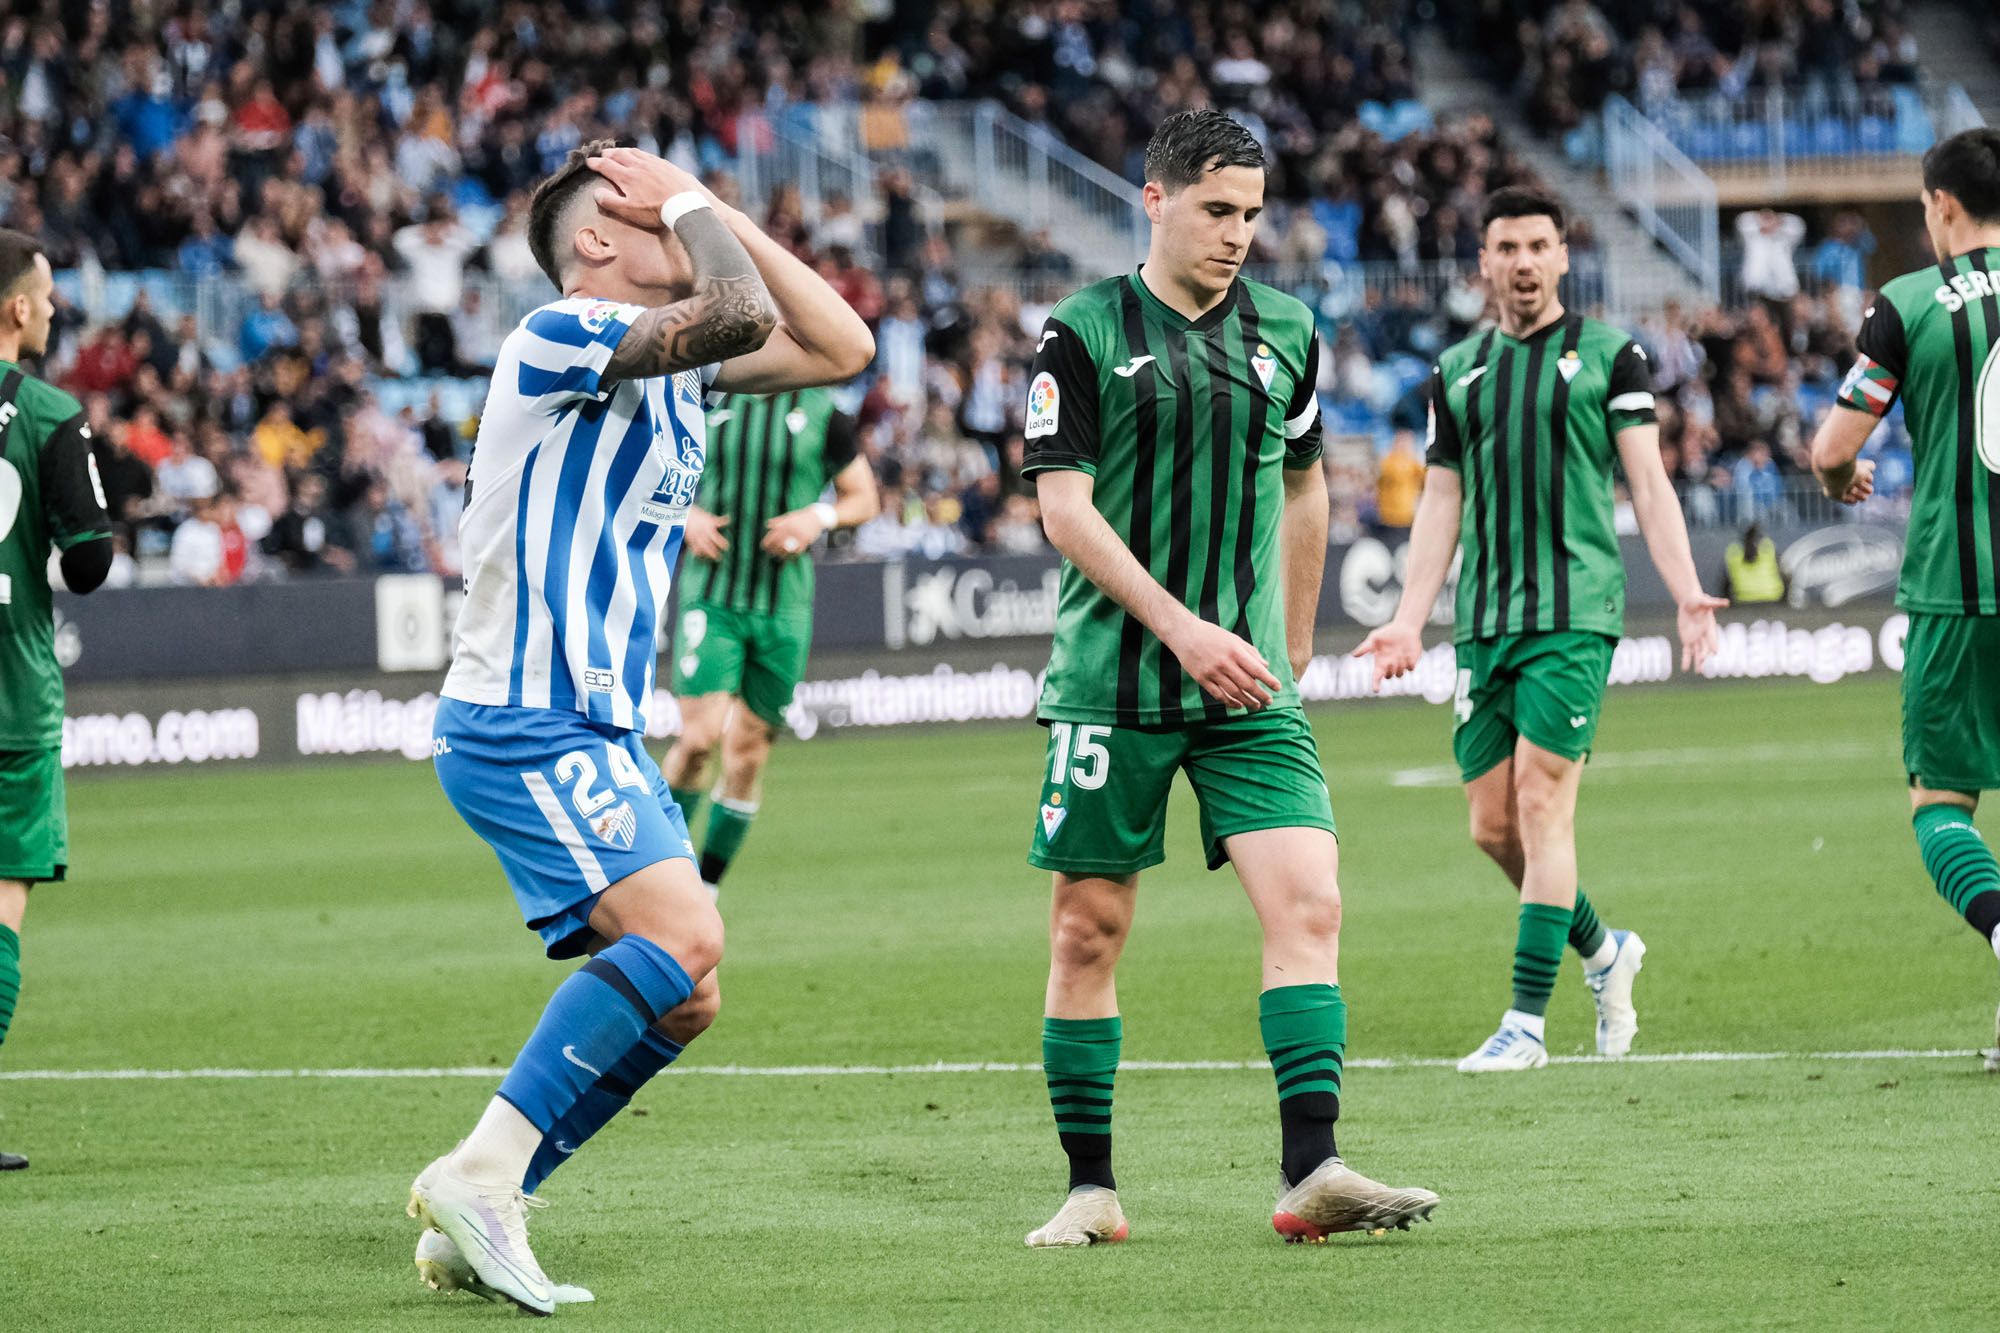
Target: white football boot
point(1512, 1047)
point(1089, 1216)
point(1336, 1197)
point(490, 1228)
point(1611, 987)
point(442, 1266)
point(1992, 1057)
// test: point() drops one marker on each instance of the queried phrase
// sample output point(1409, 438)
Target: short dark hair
point(1520, 201)
point(552, 199)
point(17, 258)
point(1188, 144)
point(1967, 165)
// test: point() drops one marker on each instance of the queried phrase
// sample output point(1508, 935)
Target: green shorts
point(759, 658)
point(1548, 688)
point(1951, 702)
point(1104, 791)
point(34, 815)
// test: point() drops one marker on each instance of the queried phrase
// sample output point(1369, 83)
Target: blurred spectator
point(435, 251)
point(1398, 482)
point(1758, 483)
point(1769, 238)
point(302, 537)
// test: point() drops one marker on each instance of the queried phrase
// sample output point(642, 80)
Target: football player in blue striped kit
point(589, 453)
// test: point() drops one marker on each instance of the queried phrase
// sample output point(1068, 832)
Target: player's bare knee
point(1086, 937)
point(1315, 912)
point(695, 1015)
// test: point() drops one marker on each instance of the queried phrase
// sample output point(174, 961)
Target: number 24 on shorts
point(578, 771)
point(1080, 755)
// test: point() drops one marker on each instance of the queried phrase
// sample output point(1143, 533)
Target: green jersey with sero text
point(1932, 339)
point(50, 497)
point(766, 457)
point(1186, 427)
point(1530, 425)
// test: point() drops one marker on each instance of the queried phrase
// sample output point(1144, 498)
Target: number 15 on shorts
point(1078, 757)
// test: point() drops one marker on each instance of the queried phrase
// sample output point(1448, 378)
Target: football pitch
point(1805, 1142)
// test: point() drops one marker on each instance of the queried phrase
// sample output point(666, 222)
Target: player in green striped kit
point(1932, 339)
point(1528, 420)
point(747, 593)
point(1173, 434)
point(49, 498)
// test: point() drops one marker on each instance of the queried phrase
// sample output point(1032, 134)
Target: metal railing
point(1796, 500)
point(979, 152)
point(1671, 198)
point(1778, 133)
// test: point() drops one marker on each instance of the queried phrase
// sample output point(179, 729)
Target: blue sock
point(593, 1020)
point(605, 1099)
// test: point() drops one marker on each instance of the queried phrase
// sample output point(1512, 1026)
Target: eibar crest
point(1570, 364)
point(1053, 815)
point(1264, 364)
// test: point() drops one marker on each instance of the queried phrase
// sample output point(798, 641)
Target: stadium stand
point(301, 234)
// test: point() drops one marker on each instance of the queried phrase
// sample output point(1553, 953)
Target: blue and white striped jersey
point(578, 496)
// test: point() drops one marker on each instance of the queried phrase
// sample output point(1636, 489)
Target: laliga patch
point(1044, 407)
point(1265, 365)
point(597, 316)
point(618, 826)
point(1570, 364)
point(1053, 816)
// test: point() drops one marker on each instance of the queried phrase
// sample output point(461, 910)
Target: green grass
point(882, 914)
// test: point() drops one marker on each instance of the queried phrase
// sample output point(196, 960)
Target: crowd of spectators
point(361, 172)
point(1564, 60)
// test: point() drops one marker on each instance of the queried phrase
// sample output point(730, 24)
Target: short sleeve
point(1876, 376)
point(72, 493)
point(1629, 399)
point(1061, 424)
point(1443, 446)
point(843, 444)
point(1304, 438)
point(564, 348)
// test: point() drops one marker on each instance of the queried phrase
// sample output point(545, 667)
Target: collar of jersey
point(1207, 323)
point(1542, 332)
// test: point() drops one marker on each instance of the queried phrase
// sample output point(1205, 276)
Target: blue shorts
point(570, 806)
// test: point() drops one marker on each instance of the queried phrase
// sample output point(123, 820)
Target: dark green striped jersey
point(1186, 427)
point(49, 497)
point(766, 457)
point(1530, 425)
point(1932, 338)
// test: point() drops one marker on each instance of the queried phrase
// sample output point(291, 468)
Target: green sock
point(1080, 1057)
point(728, 825)
point(1305, 1034)
point(1960, 863)
point(1538, 952)
point(10, 978)
point(1586, 932)
point(688, 801)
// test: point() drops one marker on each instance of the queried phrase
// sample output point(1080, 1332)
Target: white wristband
point(678, 207)
point(828, 516)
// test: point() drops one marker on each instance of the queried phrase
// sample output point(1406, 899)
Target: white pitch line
point(948, 1067)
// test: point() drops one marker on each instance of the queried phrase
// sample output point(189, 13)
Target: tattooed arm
point(819, 338)
point(729, 313)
